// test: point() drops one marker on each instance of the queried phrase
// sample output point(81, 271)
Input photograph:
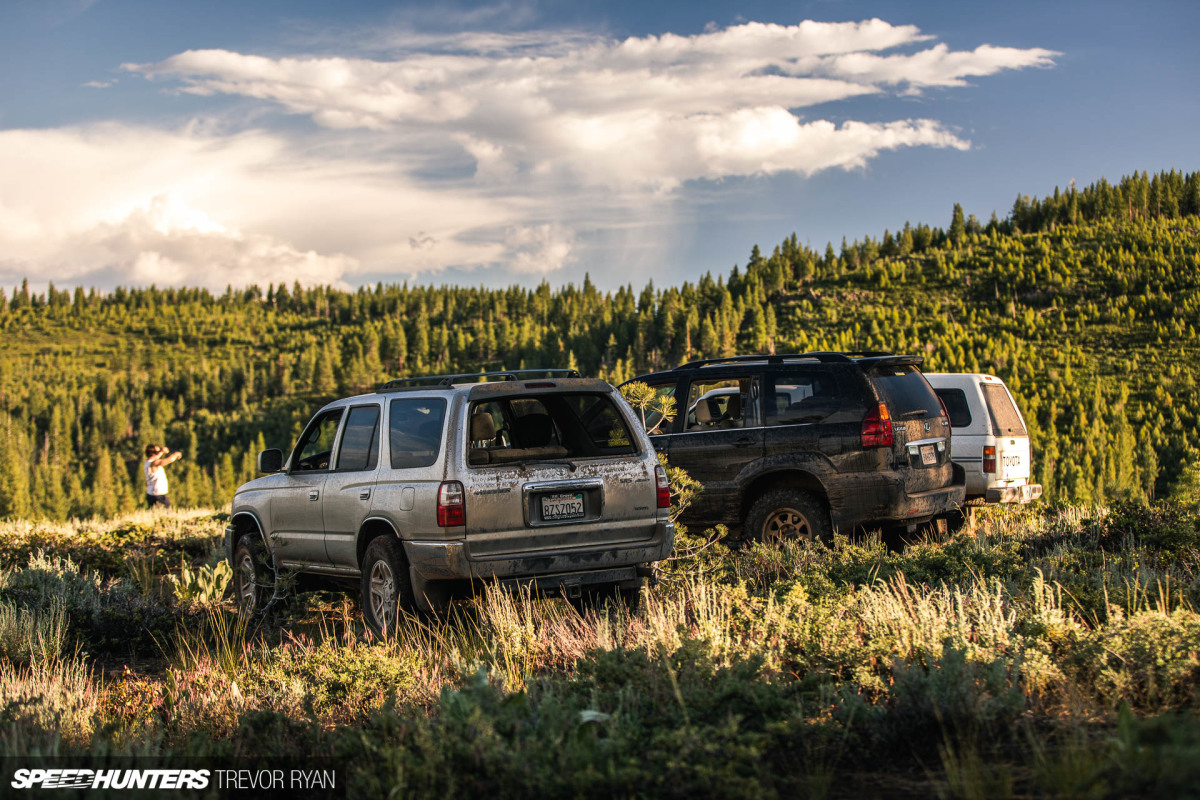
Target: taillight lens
point(877, 427)
point(452, 507)
point(664, 487)
point(989, 459)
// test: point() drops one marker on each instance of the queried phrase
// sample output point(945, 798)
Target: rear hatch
point(921, 449)
point(1013, 462)
point(554, 470)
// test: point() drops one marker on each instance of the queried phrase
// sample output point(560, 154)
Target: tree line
point(1084, 301)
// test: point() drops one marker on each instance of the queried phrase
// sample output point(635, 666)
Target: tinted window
point(316, 445)
point(360, 440)
point(547, 428)
point(906, 392)
point(716, 404)
point(794, 398)
point(1005, 419)
point(956, 404)
point(603, 423)
point(415, 431)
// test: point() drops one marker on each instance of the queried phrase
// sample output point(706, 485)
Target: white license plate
point(562, 506)
point(928, 455)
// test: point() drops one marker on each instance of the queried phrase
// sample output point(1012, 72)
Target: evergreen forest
point(1084, 301)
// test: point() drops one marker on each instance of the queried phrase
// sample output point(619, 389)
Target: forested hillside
point(1085, 302)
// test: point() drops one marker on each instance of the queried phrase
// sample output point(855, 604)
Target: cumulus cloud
point(651, 111)
point(113, 203)
point(469, 150)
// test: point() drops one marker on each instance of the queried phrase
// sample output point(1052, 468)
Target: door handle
point(660, 447)
point(365, 494)
point(745, 441)
point(313, 494)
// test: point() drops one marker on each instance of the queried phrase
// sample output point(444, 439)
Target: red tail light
point(664, 487)
point(877, 427)
point(452, 507)
point(945, 411)
point(989, 459)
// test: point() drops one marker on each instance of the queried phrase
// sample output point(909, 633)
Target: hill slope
point(1085, 303)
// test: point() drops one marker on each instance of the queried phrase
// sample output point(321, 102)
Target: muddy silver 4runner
point(431, 484)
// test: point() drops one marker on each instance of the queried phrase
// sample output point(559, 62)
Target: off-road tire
point(784, 513)
point(387, 592)
point(253, 578)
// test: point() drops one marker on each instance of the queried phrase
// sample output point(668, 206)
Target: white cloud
point(651, 111)
point(470, 150)
point(115, 203)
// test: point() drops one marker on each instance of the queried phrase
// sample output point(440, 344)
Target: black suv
point(801, 444)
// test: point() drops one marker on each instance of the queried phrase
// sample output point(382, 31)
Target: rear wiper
point(915, 412)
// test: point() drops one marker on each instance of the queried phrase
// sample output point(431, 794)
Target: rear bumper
point(881, 499)
point(434, 561)
point(1014, 494)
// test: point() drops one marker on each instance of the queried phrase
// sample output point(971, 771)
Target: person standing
point(158, 457)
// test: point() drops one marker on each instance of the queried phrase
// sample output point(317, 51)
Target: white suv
point(529, 478)
point(990, 440)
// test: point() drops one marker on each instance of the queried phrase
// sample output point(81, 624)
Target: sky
point(237, 143)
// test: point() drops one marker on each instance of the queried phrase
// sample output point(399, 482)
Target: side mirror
point(270, 461)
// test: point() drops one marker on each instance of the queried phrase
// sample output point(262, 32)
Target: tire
point(386, 585)
point(784, 513)
point(253, 578)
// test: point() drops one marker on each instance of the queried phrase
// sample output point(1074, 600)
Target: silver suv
point(431, 483)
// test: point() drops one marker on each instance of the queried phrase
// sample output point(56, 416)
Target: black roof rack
point(476, 377)
point(775, 358)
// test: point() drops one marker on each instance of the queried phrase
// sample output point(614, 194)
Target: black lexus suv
point(800, 445)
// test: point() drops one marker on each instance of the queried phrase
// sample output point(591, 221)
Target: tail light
point(877, 427)
point(664, 487)
point(945, 411)
point(989, 459)
point(452, 508)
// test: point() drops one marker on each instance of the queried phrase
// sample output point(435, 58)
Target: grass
point(1031, 653)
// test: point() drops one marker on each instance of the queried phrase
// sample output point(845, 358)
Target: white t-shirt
point(156, 478)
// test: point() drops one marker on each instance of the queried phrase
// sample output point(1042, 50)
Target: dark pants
point(158, 500)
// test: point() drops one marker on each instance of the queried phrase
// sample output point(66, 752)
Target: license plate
point(928, 455)
point(562, 506)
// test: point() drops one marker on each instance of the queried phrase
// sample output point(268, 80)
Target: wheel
point(386, 586)
point(785, 513)
point(253, 577)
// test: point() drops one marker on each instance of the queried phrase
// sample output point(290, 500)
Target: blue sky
point(235, 142)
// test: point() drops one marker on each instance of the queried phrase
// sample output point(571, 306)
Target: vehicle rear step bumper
point(1014, 494)
point(453, 560)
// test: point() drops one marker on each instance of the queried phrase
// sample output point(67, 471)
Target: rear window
point(957, 405)
point(415, 431)
point(905, 391)
point(1006, 421)
point(547, 428)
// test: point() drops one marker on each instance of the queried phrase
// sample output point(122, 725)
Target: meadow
point(1039, 652)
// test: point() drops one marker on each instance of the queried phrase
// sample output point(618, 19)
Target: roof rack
point(428, 381)
point(776, 358)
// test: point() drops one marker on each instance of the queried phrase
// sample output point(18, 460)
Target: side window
point(957, 405)
point(722, 404)
point(802, 397)
point(415, 431)
point(360, 440)
point(315, 447)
